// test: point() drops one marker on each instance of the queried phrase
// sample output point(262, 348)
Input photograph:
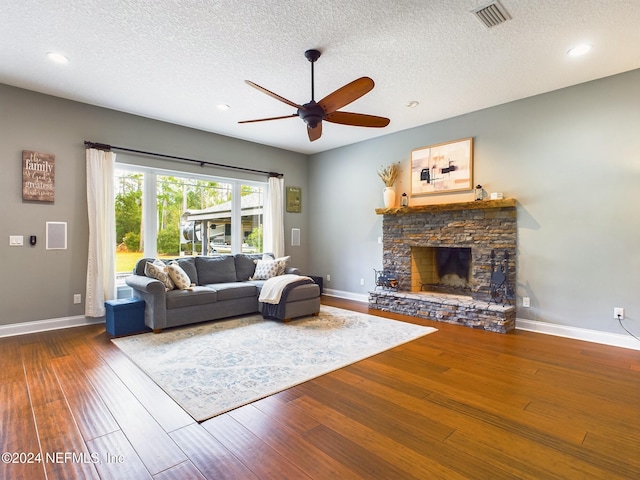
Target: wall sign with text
point(38, 176)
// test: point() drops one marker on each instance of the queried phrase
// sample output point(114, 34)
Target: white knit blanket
point(272, 289)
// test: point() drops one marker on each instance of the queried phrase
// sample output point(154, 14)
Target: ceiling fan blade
point(346, 94)
point(357, 119)
point(273, 95)
point(270, 118)
point(315, 133)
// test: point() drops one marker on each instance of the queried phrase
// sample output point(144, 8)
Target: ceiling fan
point(313, 113)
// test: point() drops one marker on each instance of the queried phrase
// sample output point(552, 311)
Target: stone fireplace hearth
point(447, 259)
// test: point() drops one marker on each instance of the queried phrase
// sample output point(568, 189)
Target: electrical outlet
point(328, 278)
point(362, 281)
point(526, 302)
point(77, 298)
point(618, 312)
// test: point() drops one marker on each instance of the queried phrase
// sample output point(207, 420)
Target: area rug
point(215, 367)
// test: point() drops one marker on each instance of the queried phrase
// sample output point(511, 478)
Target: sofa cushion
point(216, 269)
point(231, 290)
point(193, 297)
point(245, 267)
point(188, 264)
point(158, 270)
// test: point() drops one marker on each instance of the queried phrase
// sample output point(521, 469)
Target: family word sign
point(38, 176)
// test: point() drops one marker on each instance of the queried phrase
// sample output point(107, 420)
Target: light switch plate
point(16, 240)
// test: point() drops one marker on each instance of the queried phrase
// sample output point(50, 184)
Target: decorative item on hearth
point(388, 175)
point(386, 280)
point(499, 288)
point(404, 200)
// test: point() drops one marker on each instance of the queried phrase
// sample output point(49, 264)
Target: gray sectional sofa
point(222, 288)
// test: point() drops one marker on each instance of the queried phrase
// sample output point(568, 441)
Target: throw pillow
point(188, 264)
point(158, 270)
point(179, 276)
point(284, 263)
point(265, 269)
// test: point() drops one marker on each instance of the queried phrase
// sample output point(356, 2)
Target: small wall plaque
point(294, 199)
point(38, 176)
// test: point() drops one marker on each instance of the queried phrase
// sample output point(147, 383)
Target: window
point(169, 214)
point(128, 211)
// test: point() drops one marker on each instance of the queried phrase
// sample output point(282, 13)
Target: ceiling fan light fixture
point(223, 107)
point(312, 114)
point(412, 104)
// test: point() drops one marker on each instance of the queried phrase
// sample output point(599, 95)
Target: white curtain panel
point(101, 276)
point(274, 218)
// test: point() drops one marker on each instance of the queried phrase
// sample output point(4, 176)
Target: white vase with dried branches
point(388, 175)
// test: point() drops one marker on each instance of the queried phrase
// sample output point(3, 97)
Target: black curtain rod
point(202, 163)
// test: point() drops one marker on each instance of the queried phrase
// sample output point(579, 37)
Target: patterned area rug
point(215, 367)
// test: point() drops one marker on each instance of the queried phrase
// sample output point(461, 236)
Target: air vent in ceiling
point(492, 14)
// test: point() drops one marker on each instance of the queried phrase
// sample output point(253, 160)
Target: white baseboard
point(576, 333)
point(45, 325)
point(595, 336)
point(358, 297)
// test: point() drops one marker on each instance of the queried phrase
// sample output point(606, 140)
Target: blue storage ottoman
point(125, 316)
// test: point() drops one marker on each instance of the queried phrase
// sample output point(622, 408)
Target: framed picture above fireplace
point(442, 168)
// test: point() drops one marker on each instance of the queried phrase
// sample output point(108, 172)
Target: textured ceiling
point(175, 60)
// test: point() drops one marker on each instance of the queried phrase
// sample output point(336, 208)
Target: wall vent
point(492, 14)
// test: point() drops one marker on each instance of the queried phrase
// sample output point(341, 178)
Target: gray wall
point(39, 284)
point(570, 158)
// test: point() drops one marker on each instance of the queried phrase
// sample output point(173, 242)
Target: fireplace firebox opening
point(441, 269)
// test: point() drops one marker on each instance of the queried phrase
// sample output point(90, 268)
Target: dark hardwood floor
point(459, 403)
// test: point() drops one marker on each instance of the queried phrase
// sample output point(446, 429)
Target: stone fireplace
point(448, 260)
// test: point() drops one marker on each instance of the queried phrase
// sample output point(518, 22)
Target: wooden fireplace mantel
point(475, 205)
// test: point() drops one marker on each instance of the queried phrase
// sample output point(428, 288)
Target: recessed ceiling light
point(412, 104)
point(57, 57)
point(223, 106)
point(579, 50)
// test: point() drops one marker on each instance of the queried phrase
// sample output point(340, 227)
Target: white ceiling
point(175, 60)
